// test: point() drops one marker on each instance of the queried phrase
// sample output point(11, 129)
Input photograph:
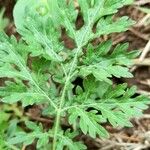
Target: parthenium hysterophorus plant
point(48, 79)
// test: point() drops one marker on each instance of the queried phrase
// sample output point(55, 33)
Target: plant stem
point(59, 110)
point(72, 68)
point(57, 122)
point(56, 129)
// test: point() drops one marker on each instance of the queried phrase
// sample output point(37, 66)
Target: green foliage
point(7, 128)
point(66, 140)
point(3, 126)
point(3, 21)
point(28, 138)
point(40, 70)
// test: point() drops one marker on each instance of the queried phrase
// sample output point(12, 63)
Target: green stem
point(57, 122)
point(72, 68)
point(56, 129)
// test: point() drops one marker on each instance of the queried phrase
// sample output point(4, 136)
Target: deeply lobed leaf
point(40, 69)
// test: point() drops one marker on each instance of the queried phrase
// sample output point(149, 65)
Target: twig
point(139, 124)
point(124, 137)
point(39, 118)
point(146, 82)
point(143, 92)
point(145, 62)
point(107, 147)
point(23, 147)
point(143, 20)
point(122, 144)
point(141, 2)
point(141, 61)
point(145, 51)
point(145, 116)
point(138, 34)
point(118, 40)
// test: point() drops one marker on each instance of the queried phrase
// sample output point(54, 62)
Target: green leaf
point(115, 118)
point(14, 65)
point(119, 71)
point(109, 26)
point(87, 123)
point(4, 116)
point(115, 105)
point(22, 137)
point(104, 48)
point(44, 41)
point(10, 56)
point(31, 125)
point(89, 84)
point(26, 98)
point(13, 93)
point(3, 21)
point(28, 138)
point(103, 74)
point(66, 140)
point(22, 9)
point(42, 142)
point(40, 68)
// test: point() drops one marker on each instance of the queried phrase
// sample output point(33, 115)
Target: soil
point(137, 137)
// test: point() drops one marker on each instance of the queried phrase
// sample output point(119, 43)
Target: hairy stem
point(56, 129)
point(57, 122)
